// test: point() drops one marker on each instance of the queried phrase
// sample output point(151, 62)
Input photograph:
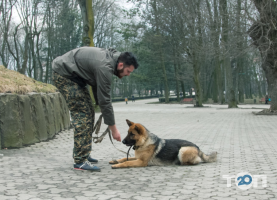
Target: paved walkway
point(244, 142)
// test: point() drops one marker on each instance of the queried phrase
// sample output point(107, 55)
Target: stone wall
point(34, 117)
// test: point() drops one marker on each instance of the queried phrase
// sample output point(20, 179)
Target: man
point(93, 66)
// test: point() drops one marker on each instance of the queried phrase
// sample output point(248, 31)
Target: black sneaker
point(92, 160)
point(87, 166)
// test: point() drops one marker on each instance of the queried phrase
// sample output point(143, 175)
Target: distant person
point(126, 100)
point(266, 99)
point(133, 98)
point(96, 67)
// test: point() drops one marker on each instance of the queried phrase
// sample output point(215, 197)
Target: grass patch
point(14, 82)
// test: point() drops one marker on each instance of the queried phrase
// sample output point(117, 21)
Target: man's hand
point(115, 133)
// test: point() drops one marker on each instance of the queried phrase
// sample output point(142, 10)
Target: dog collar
point(135, 147)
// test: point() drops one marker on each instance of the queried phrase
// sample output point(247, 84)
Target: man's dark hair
point(128, 59)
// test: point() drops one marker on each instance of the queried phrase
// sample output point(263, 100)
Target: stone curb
point(34, 117)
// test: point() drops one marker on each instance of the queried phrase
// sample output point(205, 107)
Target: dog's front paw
point(115, 167)
point(113, 162)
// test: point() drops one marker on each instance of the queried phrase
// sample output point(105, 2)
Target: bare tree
point(263, 32)
point(6, 8)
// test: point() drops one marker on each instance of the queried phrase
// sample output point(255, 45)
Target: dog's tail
point(208, 158)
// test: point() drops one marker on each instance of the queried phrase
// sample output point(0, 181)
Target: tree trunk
point(88, 22)
point(239, 61)
point(38, 56)
point(195, 55)
point(6, 15)
point(183, 89)
point(209, 85)
point(230, 93)
point(22, 70)
point(257, 82)
point(219, 79)
point(272, 90)
point(241, 76)
point(214, 87)
point(176, 75)
point(159, 47)
point(32, 48)
point(166, 89)
point(88, 29)
point(198, 90)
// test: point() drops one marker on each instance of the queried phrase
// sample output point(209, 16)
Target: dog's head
point(137, 134)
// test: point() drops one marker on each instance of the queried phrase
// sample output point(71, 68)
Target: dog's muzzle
point(129, 143)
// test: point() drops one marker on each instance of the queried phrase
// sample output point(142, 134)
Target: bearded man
point(93, 66)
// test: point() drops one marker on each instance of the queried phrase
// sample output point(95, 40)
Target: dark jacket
point(93, 66)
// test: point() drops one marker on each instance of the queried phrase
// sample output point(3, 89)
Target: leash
point(98, 139)
point(128, 152)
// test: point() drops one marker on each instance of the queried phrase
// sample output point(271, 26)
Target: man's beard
point(120, 71)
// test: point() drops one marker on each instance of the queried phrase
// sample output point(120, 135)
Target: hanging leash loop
point(98, 139)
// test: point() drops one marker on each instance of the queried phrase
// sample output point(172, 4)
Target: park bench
point(262, 100)
point(187, 100)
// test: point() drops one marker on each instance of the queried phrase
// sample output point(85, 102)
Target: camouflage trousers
point(82, 115)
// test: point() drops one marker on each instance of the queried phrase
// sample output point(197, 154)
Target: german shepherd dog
point(152, 150)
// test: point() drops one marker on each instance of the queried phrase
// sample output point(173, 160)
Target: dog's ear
point(138, 129)
point(129, 122)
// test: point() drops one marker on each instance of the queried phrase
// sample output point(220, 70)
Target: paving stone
point(144, 198)
point(104, 196)
point(246, 197)
point(223, 198)
point(81, 198)
point(36, 199)
point(56, 191)
point(116, 198)
point(244, 142)
point(25, 196)
point(45, 187)
point(4, 197)
point(126, 195)
point(147, 194)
